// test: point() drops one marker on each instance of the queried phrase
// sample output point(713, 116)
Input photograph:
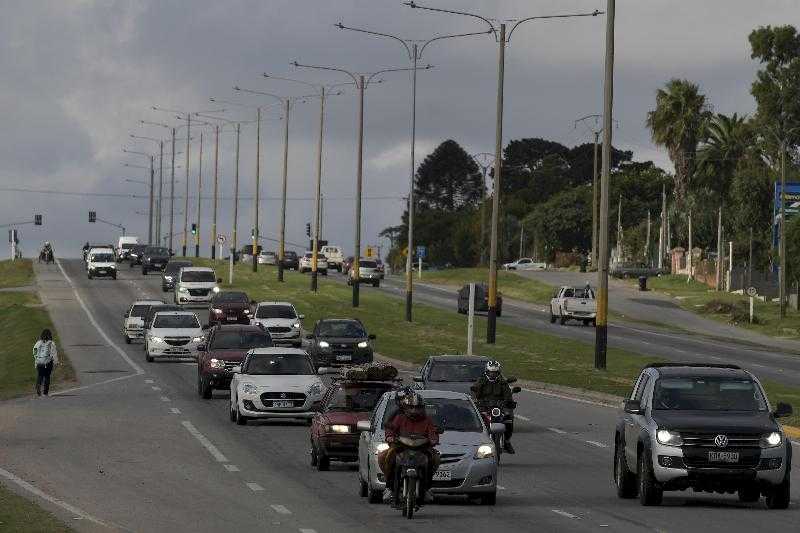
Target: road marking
point(148, 381)
point(121, 378)
point(205, 442)
point(306, 530)
point(138, 369)
point(556, 430)
point(500, 487)
point(280, 509)
point(164, 399)
point(255, 487)
point(52, 499)
point(595, 443)
point(231, 468)
point(175, 410)
point(564, 513)
point(572, 398)
point(525, 418)
point(156, 388)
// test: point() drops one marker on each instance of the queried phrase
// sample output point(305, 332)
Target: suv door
point(635, 423)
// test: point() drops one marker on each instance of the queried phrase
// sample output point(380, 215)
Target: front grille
point(230, 364)
point(283, 396)
point(199, 292)
point(449, 484)
point(450, 458)
point(735, 440)
point(177, 341)
point(342, 349)
point(279, 329)
point(698, 458)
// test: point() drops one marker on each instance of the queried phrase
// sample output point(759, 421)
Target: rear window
point(231, 297)
point(459, 372)
point(173, 268)
point(128, 245)
point(368, 264)
point(198, 276)
point(359, 398)
point(275, 311)
point(240, 340)
point(176, 321)
point(103, 258)
point(140, 311)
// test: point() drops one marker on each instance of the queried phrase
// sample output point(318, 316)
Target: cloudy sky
point(78, 76)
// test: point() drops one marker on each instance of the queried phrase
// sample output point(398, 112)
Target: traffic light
point(92, 216)
point(37, 220)
point(194, 229)
point(308, 229)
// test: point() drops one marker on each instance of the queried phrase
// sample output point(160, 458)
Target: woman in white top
point(45, 356)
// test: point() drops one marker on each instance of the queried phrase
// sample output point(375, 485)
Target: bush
point(739, 312)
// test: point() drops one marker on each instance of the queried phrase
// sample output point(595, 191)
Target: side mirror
point(363, 425)
point(219, 280)
point(516, 390)
point(782, 409)
point(201, 347)
point(633, 407)
point(510, 380)
point(237, 369)
point(418, 379)
point(371, 337)
point(497, 427)
point(301, 317)
point(327, 370)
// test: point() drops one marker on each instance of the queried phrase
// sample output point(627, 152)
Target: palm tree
point(726, 141)
point(676, 123)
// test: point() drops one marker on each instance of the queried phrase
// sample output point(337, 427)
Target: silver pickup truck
point(573, 303)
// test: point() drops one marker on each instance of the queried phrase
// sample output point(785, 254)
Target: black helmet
point(411, 404)
point(492, 371)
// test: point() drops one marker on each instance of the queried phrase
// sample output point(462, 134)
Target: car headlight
point(217, 363)
point(113, 266)
point(339, 428)
point(669, 438)
point(249, 388)
point(324, 344)
point(484, 451)
point(216, 311)
point(315, 389)
point(198, 339)
point(247, 311)
point(215, 289)
point(183, 289)
point(168, 278)
point(363, 344)
point(156, 339)
point(296, 325)
point(771, 440)
point(381, 447)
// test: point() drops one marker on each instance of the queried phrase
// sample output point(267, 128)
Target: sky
point(79, 76)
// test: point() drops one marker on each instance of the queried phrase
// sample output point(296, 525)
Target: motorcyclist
point(47, 252)
point(492, 389)
point(411, 419)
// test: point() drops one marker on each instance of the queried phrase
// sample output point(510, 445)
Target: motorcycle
point(411, 465)
point(499, 412)
point(46, 255)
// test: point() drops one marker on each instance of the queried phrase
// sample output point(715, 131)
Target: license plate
point(343, 357)
point(232, 318)
point(101, 270)
point(442, 475)
point(279, 403)
point(723, 457)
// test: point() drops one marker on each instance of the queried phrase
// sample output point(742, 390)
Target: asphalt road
point(135, 449)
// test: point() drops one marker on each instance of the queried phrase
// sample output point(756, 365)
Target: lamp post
point(485, 161)
point(502, 38)
point(150, 204)
point(361, 81)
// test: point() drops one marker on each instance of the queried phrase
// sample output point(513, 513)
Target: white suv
point(322, 263)
point(195, 286)
point(101, 262)
point(133, 327)
point(334, 255)
point(281, 320)
point(368, 272)
point(173, 334)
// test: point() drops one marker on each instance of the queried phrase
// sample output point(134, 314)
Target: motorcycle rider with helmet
point(410, 419)
point(492, 389)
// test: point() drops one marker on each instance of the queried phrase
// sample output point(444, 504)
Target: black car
point(135, 254)
point(154, 258)
point(455, 373)
point(705, 427)
point(481, 299)
point(290, 260)
point(170, 273)
point(340, 341)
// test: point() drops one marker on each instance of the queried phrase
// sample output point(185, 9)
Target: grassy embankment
point(16, 273)
point(21, 516)
point(510, 284)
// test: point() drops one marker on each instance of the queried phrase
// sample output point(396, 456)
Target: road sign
point(752, 291)
point(37, 220)
point(372, 251)
point(422, 251)
point(92, 216)
point(221, 239)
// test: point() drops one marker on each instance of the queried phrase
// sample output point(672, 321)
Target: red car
point(226, 347)
point(333, 430)
point(230, 307)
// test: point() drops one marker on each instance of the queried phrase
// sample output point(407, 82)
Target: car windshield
point(156, 250)
point(103, 258)
point(240, 340)
point(128, 245)
point(279, 365)
point(581, 293)
point(708, 394)
point(198, 276)
point(172, 268)
point(275, 311)
point(448, 414)
point(140, 311)
point(341, 328)
point(367, 264)
point(358, 398)
point(229, 297)
point(176, 321)
point(461, 371)
point(293, 255)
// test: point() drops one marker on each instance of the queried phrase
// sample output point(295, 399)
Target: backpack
point(43, 353)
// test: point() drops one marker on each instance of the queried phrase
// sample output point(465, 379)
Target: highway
point(133, 447)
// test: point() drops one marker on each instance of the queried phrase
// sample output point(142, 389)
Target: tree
point(726, 141)
point(581, 161)
point(448, 179)
point(676, 124)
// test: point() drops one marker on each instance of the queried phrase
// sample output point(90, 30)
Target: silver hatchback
point(468, 461)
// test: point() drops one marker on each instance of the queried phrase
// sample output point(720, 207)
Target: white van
point(195, 286)
point(334, 255)
point(124, 246)
point(101, 262)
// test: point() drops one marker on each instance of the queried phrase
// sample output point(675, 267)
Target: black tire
point(241, 420)
point(313, 454)
point(164, 289)
point(323, 462)
point(562, 320)
point(144, 271)
point(114, 276)
point(148, 358)
point(650, 492)
point(552, 317)
point(586, 322)
point(489, 499)
point(204, 389)
point(89, 275)
point(594, 322)
point(231, 412)
point(376, 284)
point(363, 488)
point(374, 496)
point(749, 494)
point(411, 500)
point(778, 497)
point(624, 479)
point(127, 340)
point(499, 311)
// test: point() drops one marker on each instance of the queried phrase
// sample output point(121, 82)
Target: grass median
point(17, 273)
point(19, 515)
point(510, 284)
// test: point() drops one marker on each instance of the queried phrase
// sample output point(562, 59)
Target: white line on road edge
point(306, 530)
point(572, 398)
point(231, 468)
point(595, 443)
point(564, 513)
point(255, 487)
point(205, 442)
point(174, 410)
point(156, 388)
point(139, 370)
point(55, 501)
point(280, 509)
point(525, 418)
point(556, 430)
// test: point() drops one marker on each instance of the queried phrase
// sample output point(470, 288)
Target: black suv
point(705, 427)
point(340, 341)
point(154, 258)
point(135, 254)
point(170, 274)
point(290, 260)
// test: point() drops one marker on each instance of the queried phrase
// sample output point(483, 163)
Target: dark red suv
point(230, 307)
point(225, 348)
point(333, 430)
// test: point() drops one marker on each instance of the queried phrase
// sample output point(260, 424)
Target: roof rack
point(693, 365)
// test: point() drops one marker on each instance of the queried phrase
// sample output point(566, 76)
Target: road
point(133, 448)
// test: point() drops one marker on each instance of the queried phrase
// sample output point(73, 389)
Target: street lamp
point(150, 214)
point(361, 81)
point(485, 161)
point(502, 38)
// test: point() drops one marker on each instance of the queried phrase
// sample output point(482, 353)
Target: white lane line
point(564, 513)
point(165, 399)
point(280, 509)
point(595, 443)
point(255, 487)
point(556, 430)
point(205, 442)
point(104, 382)
point(306, 530)
point(174, 410)
point(500, 487)
point(156, 388)
point(571, 398)
point(231, 468)
point(138, 369)
point(148, 381)
point(525, 418)
point(52, 499)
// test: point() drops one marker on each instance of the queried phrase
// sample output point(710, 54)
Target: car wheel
point(586, 322)
point(314, 458)
point(144, 271)
point(594, 323)
point(650, 492)
point(376, 284)
point(778, 497)
point(89, 275)
point(127, 340)
point(489, 499)
point(363, 488)
point(164, 289)
point(323, 463)
point(148, 357)
point(623, 478)
point(552, 317)
point(749, 494)
point(241, 420)
point(203, 389)
point(114, 276)
point(374, 495)
point(563, 320)
point(499, 311)
point(231, 412)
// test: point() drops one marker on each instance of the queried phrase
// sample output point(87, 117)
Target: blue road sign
point(422, 251)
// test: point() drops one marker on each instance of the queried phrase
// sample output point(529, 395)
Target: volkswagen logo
point(283, 395)
point(721, 441)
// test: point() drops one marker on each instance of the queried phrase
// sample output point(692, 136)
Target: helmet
point(47, 243)
point(492, 370)
point(411, 404)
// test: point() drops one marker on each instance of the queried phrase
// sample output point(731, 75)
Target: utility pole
point(258, 189)
point(318, 193)
point(282, 243)
point(216, 194)
point(719, 250)
point(160, 190)
point(150, 211)
point(750, 260)
point(620, 253)
point(691, 255)
point(199, 198)
point(595, 202)
point(647, 241)
point(662, 230)
point(782, 243)
point(186, 195)
point(521, 239)
point(234, 236)
point(601, 329)
point(172, 194)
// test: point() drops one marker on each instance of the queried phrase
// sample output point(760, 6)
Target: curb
point(793, 432)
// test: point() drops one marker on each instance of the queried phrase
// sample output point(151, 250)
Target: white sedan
point(275, 383)
point(173, 334)
point(525, 263)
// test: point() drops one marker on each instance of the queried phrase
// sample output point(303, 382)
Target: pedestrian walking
point(45, 356)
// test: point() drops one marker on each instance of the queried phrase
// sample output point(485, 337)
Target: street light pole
point(213, 242)
point(234, 236)
point(160, 190)
point(199, 198)
point(172, 194)
point(282, 243)
point(318, 192)
point(258, 189)
point(150, 210)
point(186, 195)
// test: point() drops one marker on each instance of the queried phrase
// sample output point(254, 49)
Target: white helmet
point(492, 370)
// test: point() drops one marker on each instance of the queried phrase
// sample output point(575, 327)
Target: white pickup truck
point(575, 303)
point(334, 255)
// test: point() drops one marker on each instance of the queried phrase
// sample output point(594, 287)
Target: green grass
point(22, 516)
point(510, 284)
point(22, 320)
point(16, 273)
point(701, 299)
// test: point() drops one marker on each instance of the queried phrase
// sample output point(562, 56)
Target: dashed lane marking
point(231, 468)
point(165, 399)
point(213, 450)
point(564, 513)
point(525, 418)
point(148, 381)
point(556, 430)
point(595, 443)
point(174, 410)
point(255, 487)
point(306, 530)
point(280, 509)
point(571, 398)
point(156, 388)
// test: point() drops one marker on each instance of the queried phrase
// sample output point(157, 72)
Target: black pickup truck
point(154, 258)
